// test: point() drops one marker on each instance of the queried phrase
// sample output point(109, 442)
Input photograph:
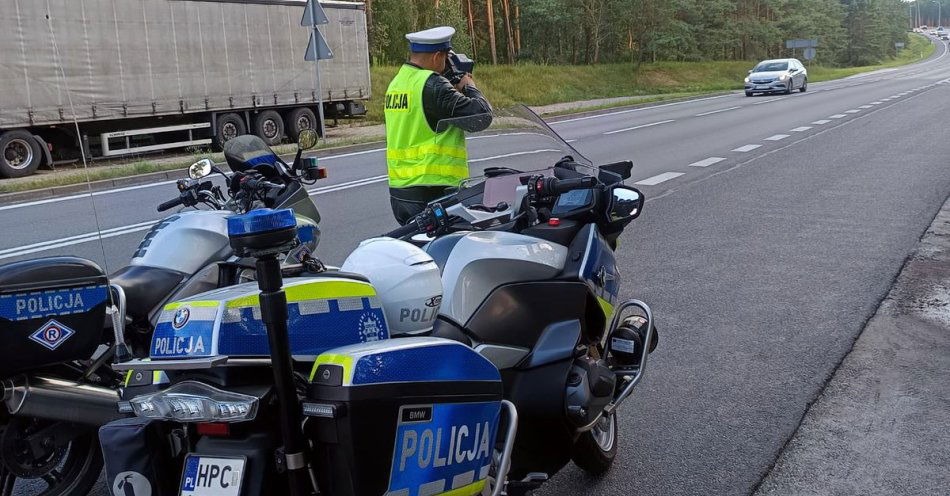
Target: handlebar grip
point(565, 185)
point(260, 184)
point(171, 204)
point(400, 232)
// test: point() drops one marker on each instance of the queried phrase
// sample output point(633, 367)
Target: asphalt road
point(773, 227)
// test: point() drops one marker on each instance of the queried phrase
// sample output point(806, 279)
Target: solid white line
point(837, 116)
point(515, 154)
point(73, 240)
point(347, 185)
point(822, 121)
point(776, 137)
point(638, 109)
point(640, 126)
point(720, 110)
point(706, 162)
point(659, 178)
point(76, 237)
point(852, 111)
point(800, 129)
point(746, 148)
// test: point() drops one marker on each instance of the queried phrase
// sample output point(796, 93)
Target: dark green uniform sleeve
point(441, 101)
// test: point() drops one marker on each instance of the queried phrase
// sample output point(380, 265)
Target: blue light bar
point(260, 221)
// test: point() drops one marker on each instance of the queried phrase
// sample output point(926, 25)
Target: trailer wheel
point(229, 126)
point(269, 126)
point(300, 119)
point(19, 154)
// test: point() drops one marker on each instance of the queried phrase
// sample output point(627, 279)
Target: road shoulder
point(881, 424)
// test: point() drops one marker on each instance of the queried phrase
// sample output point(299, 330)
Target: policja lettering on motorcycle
point(422, 159)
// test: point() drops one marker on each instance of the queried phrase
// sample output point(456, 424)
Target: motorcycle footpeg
point(530, 482)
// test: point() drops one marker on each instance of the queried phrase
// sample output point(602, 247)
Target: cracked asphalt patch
point(882, 424)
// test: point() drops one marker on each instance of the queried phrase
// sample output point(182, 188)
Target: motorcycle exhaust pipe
point(59, 399)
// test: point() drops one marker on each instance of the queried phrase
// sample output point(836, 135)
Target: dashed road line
point(837, 116)
point(640, 126)
point(776, 137)
point(706, 162)
point(822, 121)
point(864, 107)
point(852, 111)
point(746, 148)
point(659, 178)
point(800, 129)
point(770, 101)
point(876, 103)
point(720, 110)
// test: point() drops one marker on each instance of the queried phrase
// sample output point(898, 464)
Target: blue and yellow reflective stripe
point(316, 291)
point(193, 304)
point(345, 361)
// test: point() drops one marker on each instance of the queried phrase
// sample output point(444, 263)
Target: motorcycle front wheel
point(45, 467)
point(594, 451)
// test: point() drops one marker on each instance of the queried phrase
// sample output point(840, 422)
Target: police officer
point(422, 157)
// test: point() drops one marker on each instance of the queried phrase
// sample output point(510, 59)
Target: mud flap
point(136, 458)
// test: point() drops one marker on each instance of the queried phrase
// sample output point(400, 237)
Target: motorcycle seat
point(145, 288)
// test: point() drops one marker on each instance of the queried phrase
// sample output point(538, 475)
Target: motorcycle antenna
point(72, 109)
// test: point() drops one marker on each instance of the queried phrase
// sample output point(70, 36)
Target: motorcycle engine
point(590, 387)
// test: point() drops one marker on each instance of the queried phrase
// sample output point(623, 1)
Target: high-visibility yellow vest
point(415, 154)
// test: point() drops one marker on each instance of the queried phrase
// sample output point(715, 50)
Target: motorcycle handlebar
point(171, 204)
point(260, 184)
point(550, 186)
point(401, 232)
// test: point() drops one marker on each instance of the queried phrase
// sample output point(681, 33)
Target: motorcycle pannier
point(51, 310)
point(407, 417)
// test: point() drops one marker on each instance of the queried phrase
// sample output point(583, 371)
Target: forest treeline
point(850, 32)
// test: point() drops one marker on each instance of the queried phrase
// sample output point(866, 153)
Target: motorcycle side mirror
point(625, 204)
point(307, 139)
point(200, 168)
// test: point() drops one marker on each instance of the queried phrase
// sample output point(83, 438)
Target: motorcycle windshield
point(513, 138)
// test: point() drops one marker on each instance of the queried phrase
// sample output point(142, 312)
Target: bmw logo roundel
point(181, 317)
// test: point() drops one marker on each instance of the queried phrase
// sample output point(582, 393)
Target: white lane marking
point(515, 154)
point(348, 185)
point(75, 240)
point(822, 121)
point(771, 100)
point(746, 148)
point(864, 107)
point(659, 178)
point(895, 96)
point(885, 99)
point(852, 111)
point(640, 126)
point(776, 137)
point(706, 162)
point(876, 103)
point(837, 116)
point(717, 111)
point(85, 195)
point(639, 109)
point(800, 129)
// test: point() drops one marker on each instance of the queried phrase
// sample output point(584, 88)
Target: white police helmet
point(407, 281)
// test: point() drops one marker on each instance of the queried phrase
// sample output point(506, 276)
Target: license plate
point(761, 86)
point(212, 475)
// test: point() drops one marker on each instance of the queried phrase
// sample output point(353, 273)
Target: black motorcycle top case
point(52, 310)
point(406, 417)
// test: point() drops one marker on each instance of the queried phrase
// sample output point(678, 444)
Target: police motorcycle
point(57, 386)
point(408, 368)
point(530, 281)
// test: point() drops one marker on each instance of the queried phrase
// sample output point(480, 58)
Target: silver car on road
point(777, 75)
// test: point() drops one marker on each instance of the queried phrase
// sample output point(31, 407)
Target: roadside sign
point(318, 50)
point(801, 43)
point(898, 45)
point(809, 53)
point(313, 11)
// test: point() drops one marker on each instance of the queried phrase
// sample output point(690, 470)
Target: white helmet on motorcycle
point(407, 281)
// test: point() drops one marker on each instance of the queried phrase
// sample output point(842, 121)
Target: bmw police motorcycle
point(476, 350)
point(57, 384)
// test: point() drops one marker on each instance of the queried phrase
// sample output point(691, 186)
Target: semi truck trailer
point(117, 77)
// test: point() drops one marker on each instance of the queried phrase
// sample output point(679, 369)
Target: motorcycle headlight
point(192, 401)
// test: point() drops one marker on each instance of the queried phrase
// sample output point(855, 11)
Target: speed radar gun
point(457, 66)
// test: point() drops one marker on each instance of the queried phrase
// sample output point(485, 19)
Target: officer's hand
point(466, 80)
